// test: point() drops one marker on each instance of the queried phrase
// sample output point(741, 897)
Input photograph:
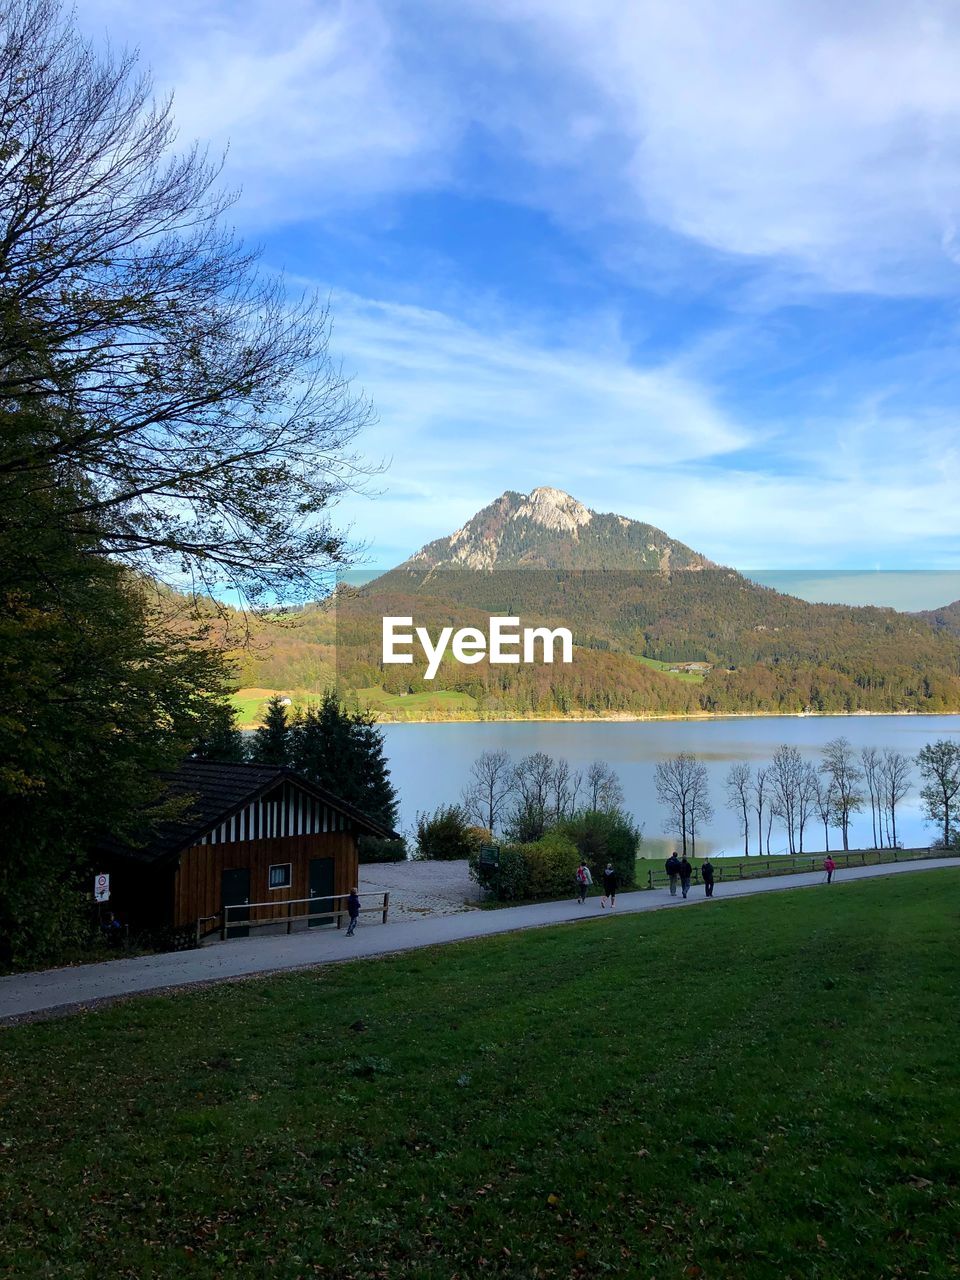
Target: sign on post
point(101, 887)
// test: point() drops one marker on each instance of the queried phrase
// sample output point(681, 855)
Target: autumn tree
point(939, 764)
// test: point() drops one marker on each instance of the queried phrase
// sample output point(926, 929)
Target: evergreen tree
point(273, 741)
point(343, 752)
point(97, 700)
point(220, 739)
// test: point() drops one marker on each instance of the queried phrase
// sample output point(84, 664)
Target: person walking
point(611, 882)
point(584, 881)
point(672, 868)
point(706, 875)
point(829, 867)
point(686, 871)
point(353, 911)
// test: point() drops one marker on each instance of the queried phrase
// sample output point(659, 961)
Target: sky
point(697, 264)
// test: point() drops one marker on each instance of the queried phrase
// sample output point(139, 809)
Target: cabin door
point(321, 886)
point(235, 893)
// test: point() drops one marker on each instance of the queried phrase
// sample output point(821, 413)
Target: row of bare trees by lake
point(799, 795)
point(791, 795)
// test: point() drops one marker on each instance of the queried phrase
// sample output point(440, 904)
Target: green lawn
point(417, 706)
point(763, 1088)
point(690, 677)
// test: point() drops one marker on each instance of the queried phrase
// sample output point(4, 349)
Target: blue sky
point(698, 264)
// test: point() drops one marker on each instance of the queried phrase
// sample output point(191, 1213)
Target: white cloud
point(313, 101)
point(465, 414)
point(827, 135)
point(822, 137)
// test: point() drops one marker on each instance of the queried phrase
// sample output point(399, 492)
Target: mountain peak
point(550, 529)
point(553, 509)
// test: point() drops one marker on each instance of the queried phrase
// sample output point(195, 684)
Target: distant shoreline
point(700, 717)
point(703, 716)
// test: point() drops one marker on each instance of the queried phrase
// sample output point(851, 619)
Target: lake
point(430, 763)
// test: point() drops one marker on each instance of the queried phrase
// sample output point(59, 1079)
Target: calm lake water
point(430, 763)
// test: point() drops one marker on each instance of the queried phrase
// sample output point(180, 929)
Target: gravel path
point(421, 889)
point(27, 995)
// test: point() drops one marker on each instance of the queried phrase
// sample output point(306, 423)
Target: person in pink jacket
point(829, 867)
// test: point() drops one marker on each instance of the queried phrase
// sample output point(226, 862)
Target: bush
point(544, 868)
point(602, 837)
point(376, 849)
point(551, 864)
point(445, 834)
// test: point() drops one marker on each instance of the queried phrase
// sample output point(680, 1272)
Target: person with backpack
point(353, 911)
point(611, 882)
point(706, 875)
point(829, 867)
point(686, 871)
point(672, 868)
point(584, 881)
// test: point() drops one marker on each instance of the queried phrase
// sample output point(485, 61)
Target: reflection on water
point(430, 763)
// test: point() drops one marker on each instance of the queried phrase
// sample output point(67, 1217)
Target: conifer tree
point(272, 742)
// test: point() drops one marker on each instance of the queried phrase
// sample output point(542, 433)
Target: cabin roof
point(216, 792)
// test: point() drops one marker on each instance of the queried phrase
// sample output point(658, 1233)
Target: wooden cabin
point(249, 834)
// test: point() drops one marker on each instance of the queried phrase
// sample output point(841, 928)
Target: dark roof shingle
point(216, 792)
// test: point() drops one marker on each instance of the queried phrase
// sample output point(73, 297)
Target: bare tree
point(604, 791)
point(565, 786)
point(532, 786)
point(682, 786)
point(786, 775)
point(195, 405)
point(761, 792)
point(939, 764)
point(838, 765)
point(823, 803)
point(739, 777)
point(870, 759)
point(896, 782)
point(492, 785)
point(807, 791)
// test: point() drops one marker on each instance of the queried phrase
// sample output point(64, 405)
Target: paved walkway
point(64, 990)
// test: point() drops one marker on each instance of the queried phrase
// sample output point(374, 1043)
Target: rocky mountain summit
point(550, 529)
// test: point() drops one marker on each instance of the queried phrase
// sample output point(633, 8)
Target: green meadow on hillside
point(746, 1089)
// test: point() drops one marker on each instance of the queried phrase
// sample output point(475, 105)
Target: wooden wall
point(197, 882)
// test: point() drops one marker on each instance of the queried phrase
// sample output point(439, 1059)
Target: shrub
point(551, 864)
point(544, 868)
point(602, 837)
point(376, 849)
point(445, 834)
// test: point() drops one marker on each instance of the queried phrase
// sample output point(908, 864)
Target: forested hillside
point(754, 649)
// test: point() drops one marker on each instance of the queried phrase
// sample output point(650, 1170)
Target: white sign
point(101, 888)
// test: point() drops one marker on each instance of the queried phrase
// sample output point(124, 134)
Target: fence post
point(649, 879)
point(386, 906)
point(223, 926)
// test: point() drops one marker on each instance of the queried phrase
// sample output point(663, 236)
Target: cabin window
point(281, 875)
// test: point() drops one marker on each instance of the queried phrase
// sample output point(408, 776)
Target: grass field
point(416, 706)
point(689, 677)
point(764, 1088)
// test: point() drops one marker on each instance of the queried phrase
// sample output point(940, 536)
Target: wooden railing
point(793, 864)
point(326, 912)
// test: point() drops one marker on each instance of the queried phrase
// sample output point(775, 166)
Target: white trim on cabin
point(296, 813)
